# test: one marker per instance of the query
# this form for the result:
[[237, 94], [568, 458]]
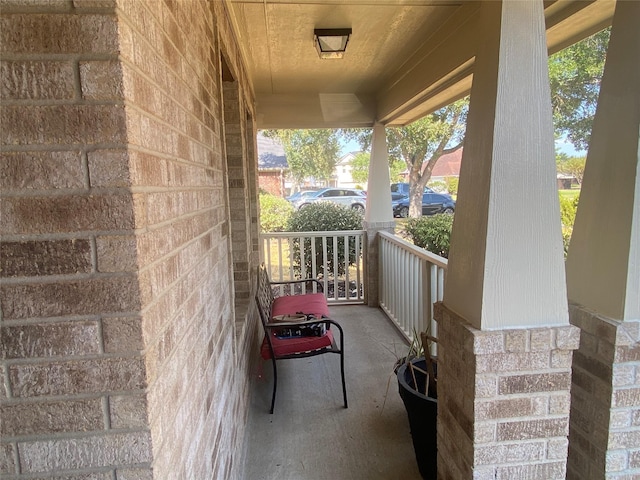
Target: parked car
[[401, 189], [432, 203], [300, 194], [349, 197]]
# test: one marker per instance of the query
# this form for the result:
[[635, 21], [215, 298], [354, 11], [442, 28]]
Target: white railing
[[341, 275], [411, 281]]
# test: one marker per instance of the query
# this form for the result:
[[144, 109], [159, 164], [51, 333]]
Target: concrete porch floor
[[311, 436]]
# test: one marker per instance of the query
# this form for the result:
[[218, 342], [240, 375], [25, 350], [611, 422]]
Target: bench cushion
[[309, 303], [287, 346]]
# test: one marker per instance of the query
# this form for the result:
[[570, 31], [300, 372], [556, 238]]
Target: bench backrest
[[264, 294]]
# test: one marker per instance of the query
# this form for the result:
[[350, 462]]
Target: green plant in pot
[[417, 385]]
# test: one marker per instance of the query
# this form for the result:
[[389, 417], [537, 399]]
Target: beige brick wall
[[73, 374], [254, 203], [503, 400], [121, 356], [197, 395], [604, 432], [234, 128]]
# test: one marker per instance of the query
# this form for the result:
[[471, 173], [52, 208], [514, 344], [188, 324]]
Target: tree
[[396, 169], [360, 168], [575, 74], [422, 143], [573, 166], [310, 153]]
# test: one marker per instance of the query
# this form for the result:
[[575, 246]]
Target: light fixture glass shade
[[331, 42]]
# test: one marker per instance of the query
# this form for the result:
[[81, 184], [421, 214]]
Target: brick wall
[[503, 400], [254, 203], [196, 366], [73, 373], [120, 351], [604, 432], [238, 187], [272, 182]]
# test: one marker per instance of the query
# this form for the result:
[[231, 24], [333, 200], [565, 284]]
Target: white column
[[506, 265], [603, 271], [506, 270], [378, 187], [378, 214], [603, 265]]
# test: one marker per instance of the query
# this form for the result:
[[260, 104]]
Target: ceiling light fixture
[[331, 42]]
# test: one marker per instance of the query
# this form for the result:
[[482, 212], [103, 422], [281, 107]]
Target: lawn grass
[[570, 194]]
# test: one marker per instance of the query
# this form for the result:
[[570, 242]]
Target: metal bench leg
[[344, 385], [275, 385]]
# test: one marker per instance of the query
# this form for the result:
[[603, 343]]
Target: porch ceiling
[[405, 58]]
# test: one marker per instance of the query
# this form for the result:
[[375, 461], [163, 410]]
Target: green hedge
[[274, 213], [320, 217], [568, 208], [433, 233]]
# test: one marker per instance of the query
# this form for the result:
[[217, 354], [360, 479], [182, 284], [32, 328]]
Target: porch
[[371, 439], [310, 435], [130, 231]]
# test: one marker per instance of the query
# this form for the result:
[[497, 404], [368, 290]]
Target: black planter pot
[[422, 411]]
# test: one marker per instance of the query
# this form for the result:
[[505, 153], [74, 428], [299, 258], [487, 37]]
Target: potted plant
[[417, 384]]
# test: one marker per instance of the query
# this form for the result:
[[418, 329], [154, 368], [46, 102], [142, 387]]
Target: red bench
[[296, 325]]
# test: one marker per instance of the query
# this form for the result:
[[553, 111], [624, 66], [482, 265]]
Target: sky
[[352, 146], [566, 147]]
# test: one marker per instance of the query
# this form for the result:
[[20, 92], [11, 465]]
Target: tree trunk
[[415, 192]]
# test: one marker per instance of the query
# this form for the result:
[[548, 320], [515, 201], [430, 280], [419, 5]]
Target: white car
[[349, 197], [300, 194]]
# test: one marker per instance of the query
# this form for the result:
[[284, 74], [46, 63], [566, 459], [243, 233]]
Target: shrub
[[568, 208], [274, 213], [321, 217], [433, 233], [438, 186], [452, 185]]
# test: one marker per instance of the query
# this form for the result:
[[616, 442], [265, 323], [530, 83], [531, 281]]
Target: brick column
[[371, 263], [239, 197], [604, 433], [503, 400], [603, 273]]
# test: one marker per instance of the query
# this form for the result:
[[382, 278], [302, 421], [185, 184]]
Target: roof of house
[[448, 165], [270, 154], [347, 158]]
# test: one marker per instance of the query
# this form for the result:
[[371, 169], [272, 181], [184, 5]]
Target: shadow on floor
[[311, 435]]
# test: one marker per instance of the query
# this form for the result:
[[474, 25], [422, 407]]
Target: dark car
[[432, 203], [401, 189]]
